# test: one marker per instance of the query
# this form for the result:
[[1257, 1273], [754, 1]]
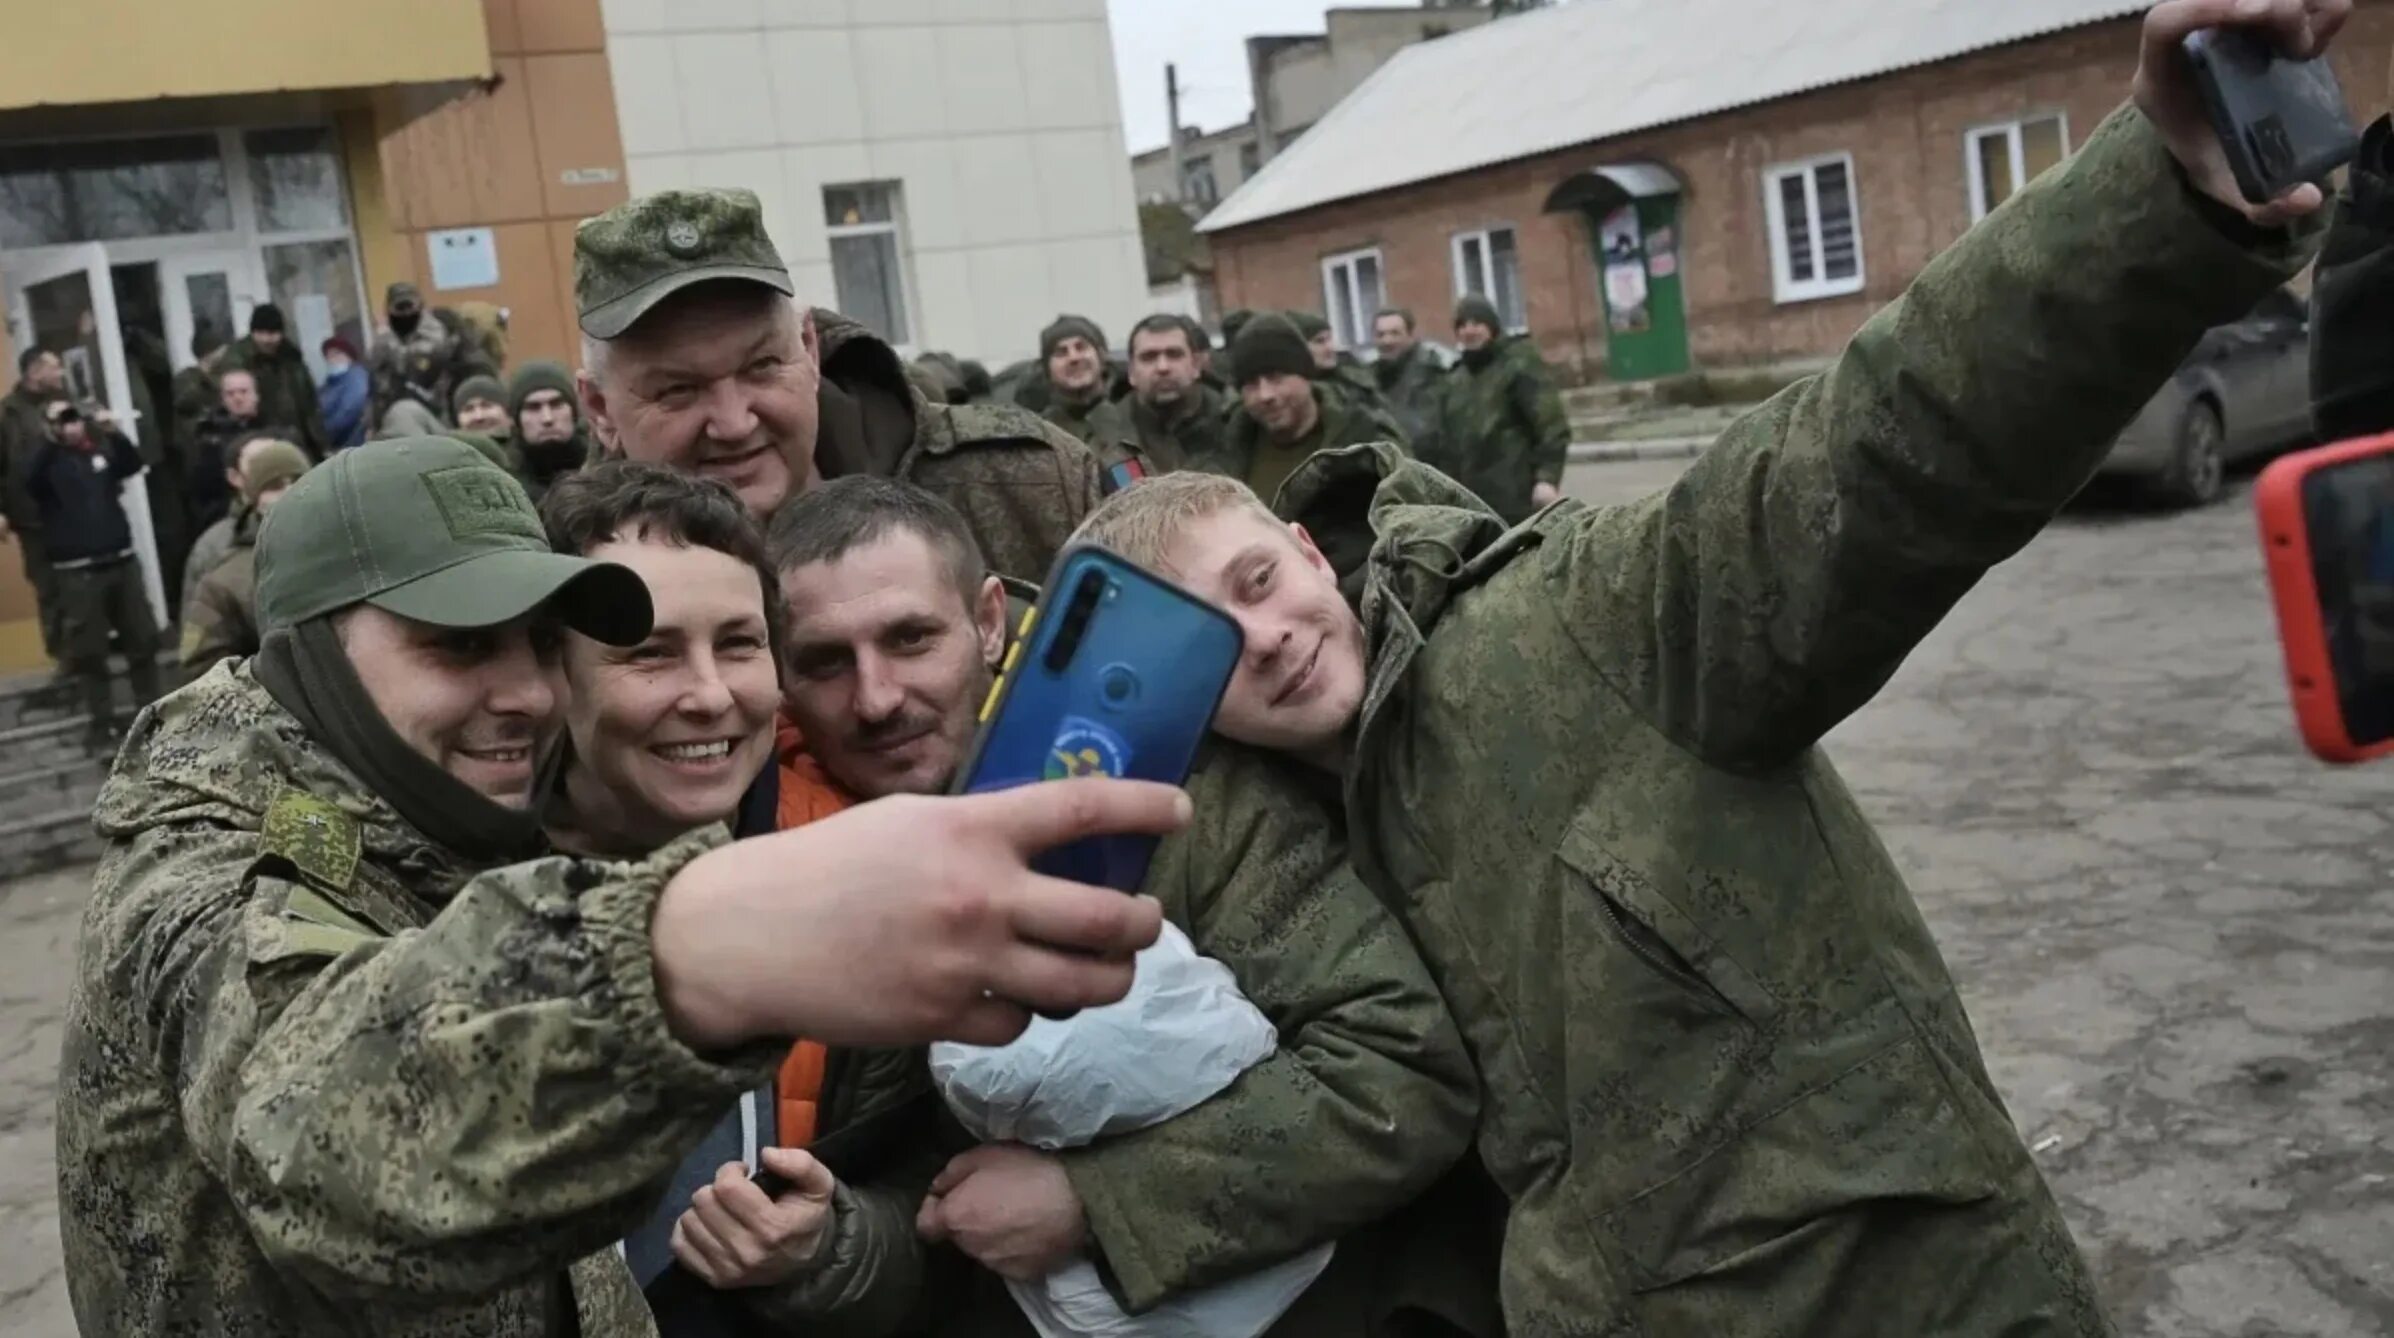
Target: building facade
[[951, 172], [1768, 231]]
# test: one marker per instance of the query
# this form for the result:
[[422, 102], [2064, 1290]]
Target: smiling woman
[[664, 737]]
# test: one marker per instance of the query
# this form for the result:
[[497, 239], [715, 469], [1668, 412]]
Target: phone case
[[2282, 122], [2278, 502], [1134, 699]]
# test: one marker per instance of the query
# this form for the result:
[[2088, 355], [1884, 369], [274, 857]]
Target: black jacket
[[75, 492], [2352, 292]]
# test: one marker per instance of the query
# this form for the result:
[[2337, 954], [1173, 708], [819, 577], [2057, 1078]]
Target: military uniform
[[1196, 432], [286, 392], [220, 613], [1022, 485], [1502, 427], [537, 466], [415, 366], [21, 431], [1249, 453], [1736, 1093], [328, 1066], [1413, 386]]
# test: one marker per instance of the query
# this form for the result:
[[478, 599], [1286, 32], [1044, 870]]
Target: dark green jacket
[[1502, 428], [1247, 451], [286, 391], [1733, 1091], [1412, 384], [21, 429], [1197, 432]]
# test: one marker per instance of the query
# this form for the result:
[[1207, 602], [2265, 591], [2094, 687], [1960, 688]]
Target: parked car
[[2243, 394]]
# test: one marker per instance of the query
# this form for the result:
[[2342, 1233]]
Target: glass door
[[62, 298], [209, 289]]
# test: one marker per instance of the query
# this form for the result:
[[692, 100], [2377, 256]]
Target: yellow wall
[[135, 50]]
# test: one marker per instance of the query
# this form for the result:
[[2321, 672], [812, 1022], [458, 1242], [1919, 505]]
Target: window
[[1487, 265], [862, 221], [106, 190], [1816, 228], [1197, 180], [296, 176], [1351, 295], [2000, 159], [1250, 159]]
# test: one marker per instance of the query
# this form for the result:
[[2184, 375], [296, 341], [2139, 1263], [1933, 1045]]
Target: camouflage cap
[[430, 529], [642, 251], [402, 294]]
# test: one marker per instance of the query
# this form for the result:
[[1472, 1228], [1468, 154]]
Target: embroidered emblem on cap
[[479, 500], [682, 236]]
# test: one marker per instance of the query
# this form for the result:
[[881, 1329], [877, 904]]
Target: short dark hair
[[827, 523], [1199, 340], [26, 359], [1162, 323], [634, 498], [1401, 313]]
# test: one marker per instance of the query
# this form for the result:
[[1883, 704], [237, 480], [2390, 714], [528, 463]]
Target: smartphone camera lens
[[1075, 622], [1118, 686]]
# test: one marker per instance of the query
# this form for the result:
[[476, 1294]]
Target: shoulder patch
[[313, 834]]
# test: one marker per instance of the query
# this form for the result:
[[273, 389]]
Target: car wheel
[[2199, 466]]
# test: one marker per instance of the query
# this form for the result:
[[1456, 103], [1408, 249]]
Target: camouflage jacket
[[1023, 485], [220, 616], [21, 429], [1413, 384], [1247, 451], [1364, 1106], [1734, 1091], [211, 547], [319, 1076], [1195, 434], [419, 366], [1501, 427], [286, 391]]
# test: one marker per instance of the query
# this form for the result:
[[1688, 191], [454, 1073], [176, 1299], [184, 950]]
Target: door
[[62, 298], [210, 287], [1637, 248]]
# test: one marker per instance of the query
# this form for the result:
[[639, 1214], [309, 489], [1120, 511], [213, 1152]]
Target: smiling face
[[1392, 335], [672, 730], [1075, 365], [486, 416], [1283, 403], [1300, 681], [719, 380], [889, 662], [479, 703]]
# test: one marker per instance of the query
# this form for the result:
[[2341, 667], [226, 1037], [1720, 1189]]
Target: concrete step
[[47, 841], [29, 699], [46, 789]]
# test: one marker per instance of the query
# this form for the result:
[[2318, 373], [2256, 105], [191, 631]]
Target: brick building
[[1754, 182]]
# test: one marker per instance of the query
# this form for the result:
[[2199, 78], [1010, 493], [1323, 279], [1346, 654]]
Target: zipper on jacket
[[1662, 958]]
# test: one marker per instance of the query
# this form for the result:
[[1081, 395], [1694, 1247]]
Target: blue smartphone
[[1114, 672]]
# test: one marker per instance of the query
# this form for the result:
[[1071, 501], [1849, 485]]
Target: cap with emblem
[[637, 254], [430, 529], [402, 297]]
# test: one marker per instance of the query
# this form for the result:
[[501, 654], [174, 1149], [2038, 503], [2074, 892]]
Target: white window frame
[[896, 228], [1362, 320], [2010, 130], [1784, 287], [1482, 236]]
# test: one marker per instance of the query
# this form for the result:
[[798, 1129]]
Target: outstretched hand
[[2165, 88]]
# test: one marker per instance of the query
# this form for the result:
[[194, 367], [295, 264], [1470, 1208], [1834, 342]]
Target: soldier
[[694, 355], [1334, 362], [480, 405], [1732, 1090], [550, 440], [411, 358], [216, 541], [329, 1055], [1175, 414], [286, 388], [1284, 413], [1409, 376], [220, 615], [1503, 431], [41, 378], [193, 389], [1073, 350]]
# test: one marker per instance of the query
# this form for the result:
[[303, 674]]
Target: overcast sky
[[1208, 40]]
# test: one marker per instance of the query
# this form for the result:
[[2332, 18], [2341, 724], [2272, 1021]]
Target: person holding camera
[[73, 477]]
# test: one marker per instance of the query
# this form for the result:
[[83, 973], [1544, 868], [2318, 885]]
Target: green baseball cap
[[429, 529], [637, 254]]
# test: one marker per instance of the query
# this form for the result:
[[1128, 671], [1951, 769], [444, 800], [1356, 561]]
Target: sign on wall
[[464, 258]]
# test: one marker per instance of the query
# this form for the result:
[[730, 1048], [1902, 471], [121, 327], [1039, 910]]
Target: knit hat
[[267, 318], [477, 388], [340, 345], [1065, 327], [1268, 345], [1308, 324], [273, 463], [1479, 309], [541, 375]]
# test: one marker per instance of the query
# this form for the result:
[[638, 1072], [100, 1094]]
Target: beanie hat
[[342, 346], [1481, 310], [1268, 345], [274, 463], [477, 388], [1065, 327], [1308, 324], [541, 375], [266, 317]]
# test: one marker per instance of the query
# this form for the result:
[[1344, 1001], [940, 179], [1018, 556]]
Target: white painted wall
[[998, 117]]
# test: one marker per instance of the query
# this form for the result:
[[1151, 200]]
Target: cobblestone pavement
[[2174, 930]]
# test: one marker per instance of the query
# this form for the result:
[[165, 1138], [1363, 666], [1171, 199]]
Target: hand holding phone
[[2281, 120]]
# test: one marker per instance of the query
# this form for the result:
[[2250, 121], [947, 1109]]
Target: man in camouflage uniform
[[1409, 377], [1175, 415], [1334, 362], [220, 613], [1503, 432], [41, 378], [343, 1052], [1073, 350], [550, 439], [1732, 1091], [286, 388], [771, 397], [1286, 410], [412, 356]]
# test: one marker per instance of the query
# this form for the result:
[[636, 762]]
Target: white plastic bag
[[1182, 1034]]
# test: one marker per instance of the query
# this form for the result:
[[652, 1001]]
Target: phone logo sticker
[[1084, 747]]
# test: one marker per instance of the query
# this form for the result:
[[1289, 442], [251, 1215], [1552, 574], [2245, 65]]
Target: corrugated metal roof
[[1595, 69]]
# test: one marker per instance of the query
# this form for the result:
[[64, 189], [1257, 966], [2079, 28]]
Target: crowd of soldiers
[[539, 933]]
